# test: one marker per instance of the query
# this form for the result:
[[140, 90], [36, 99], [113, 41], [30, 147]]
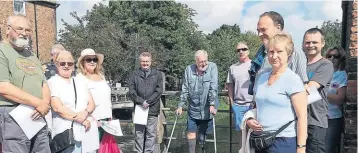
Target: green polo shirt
[[22, 69]]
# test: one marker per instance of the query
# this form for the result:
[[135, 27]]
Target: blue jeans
[[239, 112], [333, 136], [282, 145]]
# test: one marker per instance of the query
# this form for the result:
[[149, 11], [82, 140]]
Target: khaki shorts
[[14, 140]]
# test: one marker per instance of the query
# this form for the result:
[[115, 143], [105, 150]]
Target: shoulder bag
[[65, 139], [264, 139]]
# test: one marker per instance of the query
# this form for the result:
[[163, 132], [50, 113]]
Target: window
[[19, 7]]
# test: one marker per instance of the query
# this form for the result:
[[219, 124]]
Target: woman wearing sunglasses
[[71, 102], [336, 96], [90, 70]]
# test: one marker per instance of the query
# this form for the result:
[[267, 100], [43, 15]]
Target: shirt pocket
[[206, 82]]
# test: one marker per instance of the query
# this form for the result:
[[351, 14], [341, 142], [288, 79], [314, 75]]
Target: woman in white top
[[90, 69], [70, 100]]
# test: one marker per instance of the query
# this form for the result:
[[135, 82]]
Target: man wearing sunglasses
[[21, 82], [238, 81], [51, 69]]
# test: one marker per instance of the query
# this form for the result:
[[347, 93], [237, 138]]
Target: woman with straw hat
[[90, 70]]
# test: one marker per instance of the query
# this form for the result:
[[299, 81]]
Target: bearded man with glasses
[[21, 82]]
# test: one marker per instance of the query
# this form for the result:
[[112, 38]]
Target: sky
[[299, 16]]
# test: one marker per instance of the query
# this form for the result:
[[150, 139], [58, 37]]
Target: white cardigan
[[245, 132]]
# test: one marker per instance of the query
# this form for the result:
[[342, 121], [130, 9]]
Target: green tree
[[223, 43], [124, 28], [333, 33]]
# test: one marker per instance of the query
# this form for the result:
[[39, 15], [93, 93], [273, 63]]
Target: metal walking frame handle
[[214, 134], [171, 135]]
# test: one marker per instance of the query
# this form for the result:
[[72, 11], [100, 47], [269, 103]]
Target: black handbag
[[65, 139], [264, 139]]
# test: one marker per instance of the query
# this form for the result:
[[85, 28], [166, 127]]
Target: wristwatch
[[301, 146]]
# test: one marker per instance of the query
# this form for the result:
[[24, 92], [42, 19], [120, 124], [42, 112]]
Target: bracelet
[[301, 146]]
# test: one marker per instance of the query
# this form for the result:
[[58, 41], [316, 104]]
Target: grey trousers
[[14, 140], [145, 135]]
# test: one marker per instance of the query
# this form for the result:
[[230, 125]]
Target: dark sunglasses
[[336, 56], [89, 60], [241, 49], [68, 63]]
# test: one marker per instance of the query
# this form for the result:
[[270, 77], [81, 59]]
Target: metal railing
[[168, 123]]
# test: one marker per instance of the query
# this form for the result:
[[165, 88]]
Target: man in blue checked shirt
[[200, 89]]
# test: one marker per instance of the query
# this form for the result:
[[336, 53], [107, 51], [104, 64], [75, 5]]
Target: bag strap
[[284, 127], [74, 87]]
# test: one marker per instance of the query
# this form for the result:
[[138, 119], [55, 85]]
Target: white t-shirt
[[101, 94], [64, 90]]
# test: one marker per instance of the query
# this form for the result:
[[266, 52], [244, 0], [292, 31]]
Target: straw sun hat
[[90, 52]]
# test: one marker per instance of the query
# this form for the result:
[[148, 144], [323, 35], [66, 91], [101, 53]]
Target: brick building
[[349, 43], [42, 15]]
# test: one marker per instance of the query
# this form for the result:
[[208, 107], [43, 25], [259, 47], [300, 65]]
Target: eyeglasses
[[241, 49], [19, 30], [89, 60], [64, 63], [336, 56]]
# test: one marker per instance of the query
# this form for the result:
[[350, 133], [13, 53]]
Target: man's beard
[[21, 42]]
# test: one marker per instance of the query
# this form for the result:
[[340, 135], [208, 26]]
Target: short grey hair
[[242, 42], [57, 47], [10, 19], [201, 53], [145, 54]]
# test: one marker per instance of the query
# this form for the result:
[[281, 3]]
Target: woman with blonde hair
[[90, 70], [71, 103], [279, 104]]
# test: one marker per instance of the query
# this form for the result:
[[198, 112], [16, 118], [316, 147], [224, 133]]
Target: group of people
[[267, 94], [273, 96], [63, 99]]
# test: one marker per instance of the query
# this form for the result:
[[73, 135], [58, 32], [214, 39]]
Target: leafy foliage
[[166, 28], [332, 31]]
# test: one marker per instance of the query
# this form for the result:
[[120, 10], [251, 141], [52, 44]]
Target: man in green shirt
[[21, 82]]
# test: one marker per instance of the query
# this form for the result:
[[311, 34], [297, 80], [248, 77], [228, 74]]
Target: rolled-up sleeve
[[4, 68], [184, 89], [213, 88], [299, 64]]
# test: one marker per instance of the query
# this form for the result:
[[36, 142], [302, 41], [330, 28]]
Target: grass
[[222, 134], [180, 144]]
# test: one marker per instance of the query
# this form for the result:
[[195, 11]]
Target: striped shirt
[[297, 63]]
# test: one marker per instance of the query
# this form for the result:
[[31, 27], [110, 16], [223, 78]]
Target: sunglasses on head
[[89, 60], [64, 63], [336, 56], [241, 49]]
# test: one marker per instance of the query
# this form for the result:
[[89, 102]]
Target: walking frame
[[203, 144], [171, 135]]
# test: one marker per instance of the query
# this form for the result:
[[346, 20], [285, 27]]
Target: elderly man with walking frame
[[200, 88]]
